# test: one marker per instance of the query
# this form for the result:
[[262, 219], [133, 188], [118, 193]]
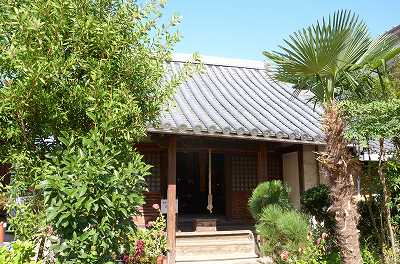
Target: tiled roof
[[395, 30], [238, 98]]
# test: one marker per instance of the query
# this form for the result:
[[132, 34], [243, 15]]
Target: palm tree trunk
[[341, 168]]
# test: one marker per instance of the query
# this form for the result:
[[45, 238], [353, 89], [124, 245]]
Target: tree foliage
[[79, 82], [74, 65], [372, 120], [333, 58]]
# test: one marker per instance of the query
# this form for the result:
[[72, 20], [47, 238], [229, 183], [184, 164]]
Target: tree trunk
[[341, 168], [369, 201], [386, 196]]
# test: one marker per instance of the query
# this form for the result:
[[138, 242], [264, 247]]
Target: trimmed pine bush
[[282, 230], [269, 193]]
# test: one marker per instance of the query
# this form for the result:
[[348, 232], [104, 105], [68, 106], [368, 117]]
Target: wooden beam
[[171, 196], [262, 162]]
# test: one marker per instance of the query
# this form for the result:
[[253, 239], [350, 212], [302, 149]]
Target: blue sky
[[243, 29]]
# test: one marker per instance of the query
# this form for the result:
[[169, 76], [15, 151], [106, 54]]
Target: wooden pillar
[[262, 162], [171, 196], [301, 168]]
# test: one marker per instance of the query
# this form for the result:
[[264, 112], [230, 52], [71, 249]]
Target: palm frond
[[379, 51], [331, 51]]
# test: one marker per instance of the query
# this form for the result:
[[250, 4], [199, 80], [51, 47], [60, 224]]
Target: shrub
[[316, 201], [25, 221], [18, 252], [145, 245], [25, 198], [269, 193], [365, 223], [281, 230], [393, 175], [369, 256], [91, 191], [313, 253]]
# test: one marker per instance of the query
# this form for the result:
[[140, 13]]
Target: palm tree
[[330, 59]]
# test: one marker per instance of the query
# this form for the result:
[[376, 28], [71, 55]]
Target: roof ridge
[[222, 61]]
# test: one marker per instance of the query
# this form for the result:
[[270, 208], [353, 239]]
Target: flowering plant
[[147, 243], [313, 252]]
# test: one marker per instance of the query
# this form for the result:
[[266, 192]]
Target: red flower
[[126, 259], [139, 249], [284, 255], [156, 207]]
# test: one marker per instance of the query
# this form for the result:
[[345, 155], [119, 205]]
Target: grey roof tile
[[240, 98]]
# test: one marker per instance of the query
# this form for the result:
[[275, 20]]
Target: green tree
[[374, 117], [79, 81], [328, 58]]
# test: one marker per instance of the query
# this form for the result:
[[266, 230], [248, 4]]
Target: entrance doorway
[[192, 183]]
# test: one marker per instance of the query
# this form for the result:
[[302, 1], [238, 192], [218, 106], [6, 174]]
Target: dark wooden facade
[[245, 164]]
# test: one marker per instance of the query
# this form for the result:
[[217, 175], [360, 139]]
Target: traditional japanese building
[[230, 127]]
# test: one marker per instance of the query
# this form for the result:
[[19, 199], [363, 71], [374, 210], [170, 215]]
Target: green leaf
[[107, 201], [52, 213]]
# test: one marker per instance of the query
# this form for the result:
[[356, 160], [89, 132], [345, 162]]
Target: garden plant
[[286, 234], [331, 59], [79, 82]]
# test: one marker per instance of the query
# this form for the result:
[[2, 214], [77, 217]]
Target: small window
[[244, 173], [153, 180]]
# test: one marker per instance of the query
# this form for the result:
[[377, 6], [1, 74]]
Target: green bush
[[365, 224], [393, 175], [369, 256], [18, 252], [313, 253], [25, 198], [316, 201], [281, 230], [91, 191], [269, 193], [145, 245]]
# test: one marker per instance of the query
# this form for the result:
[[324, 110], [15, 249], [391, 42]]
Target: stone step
[[219, 259], [207, 248], [237, 235], [228, 261]]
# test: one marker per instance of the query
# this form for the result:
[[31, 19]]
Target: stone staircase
[[219, 247]]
